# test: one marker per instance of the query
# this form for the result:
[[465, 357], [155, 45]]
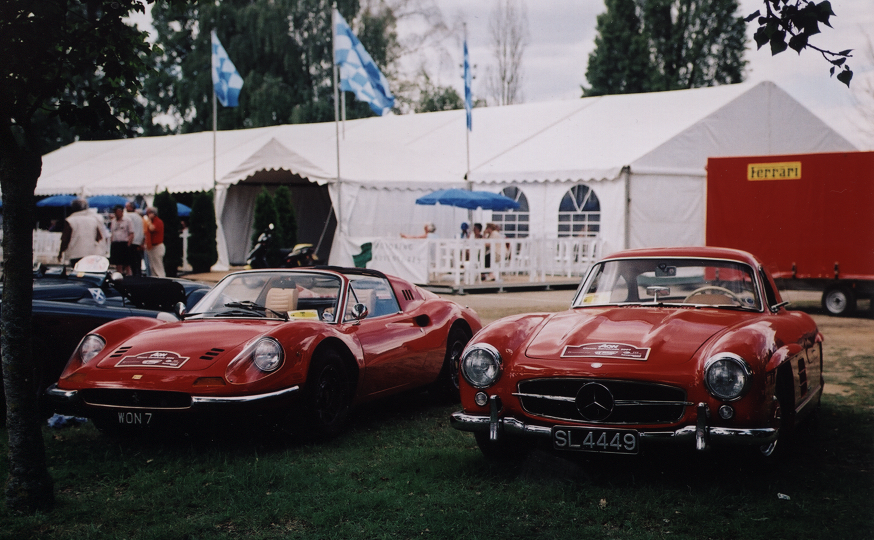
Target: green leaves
[[656, 45], [798, 20]]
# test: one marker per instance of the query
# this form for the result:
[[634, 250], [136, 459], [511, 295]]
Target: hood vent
[[119, 352], [211, 354]]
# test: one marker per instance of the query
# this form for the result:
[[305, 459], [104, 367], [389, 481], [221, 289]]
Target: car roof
[[689, 251]]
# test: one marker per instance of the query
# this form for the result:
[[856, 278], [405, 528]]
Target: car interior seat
[[281, 300]]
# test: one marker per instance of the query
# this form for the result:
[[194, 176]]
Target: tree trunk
[[29, 486]]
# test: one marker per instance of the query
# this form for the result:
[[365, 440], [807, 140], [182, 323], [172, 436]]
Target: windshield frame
[[594, 270], [206, 309]]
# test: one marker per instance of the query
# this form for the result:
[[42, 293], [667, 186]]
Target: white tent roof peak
[[595, 142], [275, 156]]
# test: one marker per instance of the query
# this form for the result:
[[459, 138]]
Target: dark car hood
[[190, 345], [663, 336]]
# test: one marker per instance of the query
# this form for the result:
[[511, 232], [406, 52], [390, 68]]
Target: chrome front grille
[[602, 401]]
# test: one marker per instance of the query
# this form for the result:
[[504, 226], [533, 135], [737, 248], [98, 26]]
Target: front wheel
[[447, 381], [327, 395]]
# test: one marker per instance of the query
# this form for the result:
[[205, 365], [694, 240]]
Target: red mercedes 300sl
[[275, 343], [692, 346]]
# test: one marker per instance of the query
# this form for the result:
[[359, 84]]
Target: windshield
[[700, 282], [302, 295]]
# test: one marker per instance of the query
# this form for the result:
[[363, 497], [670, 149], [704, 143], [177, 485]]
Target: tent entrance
[[312, 206]]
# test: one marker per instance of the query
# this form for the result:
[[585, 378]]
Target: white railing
[[472, 261]]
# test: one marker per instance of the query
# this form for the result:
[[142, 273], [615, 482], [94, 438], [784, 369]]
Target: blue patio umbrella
[[471, 200], [56, 201], [182, 210], [106, 202]]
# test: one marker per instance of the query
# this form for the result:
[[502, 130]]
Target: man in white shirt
[[137, 247], [83, 234]]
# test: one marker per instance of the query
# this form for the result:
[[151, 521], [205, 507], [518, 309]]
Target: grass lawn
[[409, 475]]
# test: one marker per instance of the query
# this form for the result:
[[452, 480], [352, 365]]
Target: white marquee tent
[[643, 155]]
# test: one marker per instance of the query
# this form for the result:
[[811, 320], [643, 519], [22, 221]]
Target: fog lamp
[[726, 412], [481, 399]]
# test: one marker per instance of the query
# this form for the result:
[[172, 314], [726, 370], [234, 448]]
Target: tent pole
[[626, 172]]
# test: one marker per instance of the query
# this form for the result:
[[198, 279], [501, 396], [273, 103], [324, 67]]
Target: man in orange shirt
[[156, 249]]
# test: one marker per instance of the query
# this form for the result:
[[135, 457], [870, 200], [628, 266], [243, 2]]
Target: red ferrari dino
[[295, 344]]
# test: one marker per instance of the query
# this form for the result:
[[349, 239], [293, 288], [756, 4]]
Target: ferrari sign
[[789, 170]]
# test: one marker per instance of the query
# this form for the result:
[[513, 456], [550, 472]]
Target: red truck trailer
[[808, 217]]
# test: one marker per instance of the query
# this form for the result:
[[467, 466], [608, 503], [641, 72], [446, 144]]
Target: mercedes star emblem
[[595, 402]]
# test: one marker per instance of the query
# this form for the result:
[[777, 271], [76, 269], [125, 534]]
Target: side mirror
[[359, 311], [179, 310]]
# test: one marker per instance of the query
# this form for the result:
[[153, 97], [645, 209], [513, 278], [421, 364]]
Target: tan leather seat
[[281, 300]]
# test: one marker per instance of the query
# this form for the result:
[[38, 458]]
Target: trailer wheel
[[839, 300]]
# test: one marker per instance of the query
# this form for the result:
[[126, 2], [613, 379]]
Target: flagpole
[[214, 130], [466, 130], [337, 121]]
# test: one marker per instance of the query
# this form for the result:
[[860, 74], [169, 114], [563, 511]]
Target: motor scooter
[[299, 256], [257, 256]]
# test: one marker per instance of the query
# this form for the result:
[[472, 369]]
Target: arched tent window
[[579, 213], [513, 223]]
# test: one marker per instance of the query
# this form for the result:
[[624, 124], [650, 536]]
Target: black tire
[[839, 301], [327, 396], [447, 381], [506, 448]]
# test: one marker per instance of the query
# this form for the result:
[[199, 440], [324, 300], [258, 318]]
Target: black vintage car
[[67, 304]]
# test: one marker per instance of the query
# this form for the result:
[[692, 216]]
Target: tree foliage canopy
[[281, 48], [656, 45]]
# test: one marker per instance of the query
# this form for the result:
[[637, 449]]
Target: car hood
[[186, 345], [657, 335]]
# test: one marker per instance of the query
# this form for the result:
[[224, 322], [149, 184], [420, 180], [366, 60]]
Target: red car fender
[[507, 335], [113, 333]]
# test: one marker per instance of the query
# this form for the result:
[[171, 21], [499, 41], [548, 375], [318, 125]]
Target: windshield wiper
[[252, 306]]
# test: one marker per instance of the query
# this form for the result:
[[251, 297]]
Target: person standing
[[136, 247], [157, 249], [83, 234], [121, 234]]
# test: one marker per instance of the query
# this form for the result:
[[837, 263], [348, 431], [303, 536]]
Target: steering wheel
[[721, 290]]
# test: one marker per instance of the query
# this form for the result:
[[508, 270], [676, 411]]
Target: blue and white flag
[[468, 78], [358, 72], [226, 81]]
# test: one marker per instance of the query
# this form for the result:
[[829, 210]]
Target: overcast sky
[[562, 34]]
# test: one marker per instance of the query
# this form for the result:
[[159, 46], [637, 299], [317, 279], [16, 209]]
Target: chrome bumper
[[197, 402], [701, 434]]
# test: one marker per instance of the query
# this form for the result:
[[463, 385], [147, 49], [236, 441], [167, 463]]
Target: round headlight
[[481, 365], [267, 355], [727, 377], [90, 347]]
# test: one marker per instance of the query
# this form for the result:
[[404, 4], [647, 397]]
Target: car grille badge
[[595, 402]]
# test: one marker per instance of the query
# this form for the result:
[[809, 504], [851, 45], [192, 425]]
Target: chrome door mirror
[[359, 311]]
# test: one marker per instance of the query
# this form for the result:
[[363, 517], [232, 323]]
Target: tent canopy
[[624, 147]]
